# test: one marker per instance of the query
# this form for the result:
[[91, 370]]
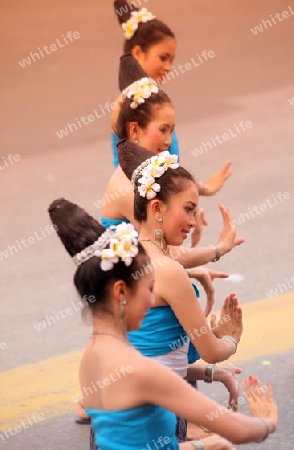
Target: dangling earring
[[158, 233], [122, 314]]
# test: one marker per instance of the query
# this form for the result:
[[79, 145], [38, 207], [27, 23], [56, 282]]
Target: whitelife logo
[[270, 22], [71, 36]]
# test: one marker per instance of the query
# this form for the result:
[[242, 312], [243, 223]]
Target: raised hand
[[230, 320], [200, 223], [206, 277], [261, 401], [216, 181], [227, 240]]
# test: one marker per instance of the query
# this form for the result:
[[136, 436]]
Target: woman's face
[[158, 59], [179, 214], [157, 136], [140, 300]]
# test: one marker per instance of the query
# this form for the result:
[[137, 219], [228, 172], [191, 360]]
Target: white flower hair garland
[[140, 90], [123, 245], [153, 168], [131, 25]]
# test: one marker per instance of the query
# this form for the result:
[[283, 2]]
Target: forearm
[[242, 428], [191, 257], [196, 372]]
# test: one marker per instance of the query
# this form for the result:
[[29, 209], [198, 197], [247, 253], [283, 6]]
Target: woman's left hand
[[216, 181]]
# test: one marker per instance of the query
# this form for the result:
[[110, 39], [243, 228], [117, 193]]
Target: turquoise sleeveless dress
[[151, 340], [173, 149], [161, 333], [107, 223], [145, 427]]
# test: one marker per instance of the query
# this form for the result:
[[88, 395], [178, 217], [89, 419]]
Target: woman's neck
[[106, 324]]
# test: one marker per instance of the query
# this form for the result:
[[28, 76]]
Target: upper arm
[[176, 289]]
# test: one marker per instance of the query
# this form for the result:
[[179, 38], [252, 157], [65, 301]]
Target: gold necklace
[[110, 334], [165, 252]]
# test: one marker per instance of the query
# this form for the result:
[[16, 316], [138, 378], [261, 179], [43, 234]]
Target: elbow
[[211, 357]]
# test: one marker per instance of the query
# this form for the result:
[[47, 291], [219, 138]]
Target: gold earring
[[122, 314], [158, 233]]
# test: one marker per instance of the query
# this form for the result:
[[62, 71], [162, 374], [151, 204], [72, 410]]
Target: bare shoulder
[[119, 196], [170, 269]]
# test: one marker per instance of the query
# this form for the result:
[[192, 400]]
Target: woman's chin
[[176, 242]]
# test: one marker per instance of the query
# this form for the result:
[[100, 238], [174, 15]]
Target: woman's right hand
[[227, 240], [230, 321], [198, 229], [261, 401]]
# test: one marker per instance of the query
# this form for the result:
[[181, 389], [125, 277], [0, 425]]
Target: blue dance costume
[[173, 149], [145, 427], [160, 334], [151, 340], [107, 223]]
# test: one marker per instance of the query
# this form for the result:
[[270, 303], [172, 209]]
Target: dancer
[[153, 45], [165, 210], [136, 400], [150, 125]]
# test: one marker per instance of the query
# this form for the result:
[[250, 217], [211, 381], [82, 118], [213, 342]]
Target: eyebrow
[[192, 203]]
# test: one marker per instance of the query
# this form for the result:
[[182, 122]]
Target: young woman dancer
[[136, 400], [171, 202], [151, 125], [152, 43]]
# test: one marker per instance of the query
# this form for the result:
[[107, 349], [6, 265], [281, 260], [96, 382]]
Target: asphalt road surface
[[248, 81]]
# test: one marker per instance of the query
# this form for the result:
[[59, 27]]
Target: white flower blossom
[[130, 27], [158, 165]]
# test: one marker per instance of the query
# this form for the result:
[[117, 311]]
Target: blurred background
[[249, 79]]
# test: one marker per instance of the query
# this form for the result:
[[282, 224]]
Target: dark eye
[[188, 209], [163, 130], [163, 58]]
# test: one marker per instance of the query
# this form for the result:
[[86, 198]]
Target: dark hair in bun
[[129, 72], [147, 34], [173, 181], [77, 230]]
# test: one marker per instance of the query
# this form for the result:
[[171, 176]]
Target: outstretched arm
[[191, 257], [158, 386]]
